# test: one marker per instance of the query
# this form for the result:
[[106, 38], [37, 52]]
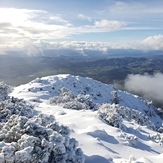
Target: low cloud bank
[[150, 87], [37, 46], [151, 43]]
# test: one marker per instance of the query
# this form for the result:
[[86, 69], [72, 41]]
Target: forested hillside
[[19, 70]]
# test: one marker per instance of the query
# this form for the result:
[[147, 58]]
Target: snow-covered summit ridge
[[106, 132], [42, 89]]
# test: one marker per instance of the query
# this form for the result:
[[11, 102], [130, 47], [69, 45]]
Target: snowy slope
[[99, 141]]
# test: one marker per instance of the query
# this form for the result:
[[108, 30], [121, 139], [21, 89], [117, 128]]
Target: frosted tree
[[115, 98], [109, 114], [4, 91]]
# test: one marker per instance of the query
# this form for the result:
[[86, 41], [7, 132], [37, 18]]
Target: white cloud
[[133, 9], [139, 15], [35, 24], [37, 47], [20, 24], [26, 43], [25, 16], [152, 43], [75, 45], [38, 24], [126, 8], [84, 17], [28, 46], [109, 24], [149, 86]]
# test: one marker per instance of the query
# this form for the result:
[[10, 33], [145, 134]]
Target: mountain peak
[[92, 91], [110, 125]]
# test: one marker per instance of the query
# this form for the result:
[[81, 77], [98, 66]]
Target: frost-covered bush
[[160, 130], [29, 137], [74, 104], [132, 114], [115, 97], [158, 138], [14, 106], [113, 115], [129, 138], [68, 100], [36, 100], [4, 91], [109, 114], [64, 97], [85, 99]]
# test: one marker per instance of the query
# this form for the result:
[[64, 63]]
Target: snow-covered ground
[[100, 142]]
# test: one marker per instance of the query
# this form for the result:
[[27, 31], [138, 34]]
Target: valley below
[[18, 70]]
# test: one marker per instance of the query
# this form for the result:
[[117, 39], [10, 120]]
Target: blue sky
[[118, 23]]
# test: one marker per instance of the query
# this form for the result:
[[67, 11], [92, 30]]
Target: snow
[[99, 141]]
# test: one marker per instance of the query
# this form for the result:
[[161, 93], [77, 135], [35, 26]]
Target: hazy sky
[[116, 23]]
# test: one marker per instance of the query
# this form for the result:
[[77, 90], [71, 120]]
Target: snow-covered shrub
[[85, 99], [109, 114], [113, 115], [129, 138], [131, 159], [160, 130], [29, 137], [132, 114], [115, 97], [160, 112], [14, 106], [4, 91], [68, 100], [158, 138], [36, 100], [74, 104]]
